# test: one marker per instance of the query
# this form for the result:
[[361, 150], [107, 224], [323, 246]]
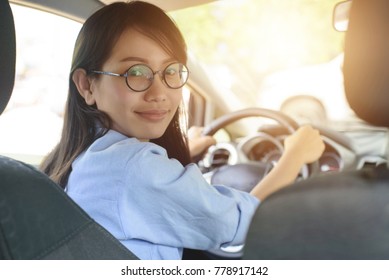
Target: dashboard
[[265, 150]]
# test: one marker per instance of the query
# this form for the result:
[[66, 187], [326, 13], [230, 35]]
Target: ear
[[82, 82]]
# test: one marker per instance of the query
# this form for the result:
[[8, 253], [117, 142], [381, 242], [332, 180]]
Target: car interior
[[324, 215]]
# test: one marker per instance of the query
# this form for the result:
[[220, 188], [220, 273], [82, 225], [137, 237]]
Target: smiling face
[[143, 115]]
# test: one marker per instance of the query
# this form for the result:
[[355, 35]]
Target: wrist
[[292, 158]]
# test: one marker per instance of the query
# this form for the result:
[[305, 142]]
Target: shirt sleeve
[[177, 206]]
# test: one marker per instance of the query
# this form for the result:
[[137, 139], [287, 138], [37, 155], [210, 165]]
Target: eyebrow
[[133, 58], [143, 60]]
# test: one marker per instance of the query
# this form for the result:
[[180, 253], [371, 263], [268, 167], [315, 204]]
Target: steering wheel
[[242, 173]]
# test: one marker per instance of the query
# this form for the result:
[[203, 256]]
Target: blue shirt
[[153, 204]]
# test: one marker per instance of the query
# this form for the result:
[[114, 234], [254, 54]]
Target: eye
[[135, 72], [140, 71], [171, 71]]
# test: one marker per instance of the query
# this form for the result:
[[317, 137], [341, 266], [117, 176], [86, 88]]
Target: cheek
[[111, 94], [177, 98]]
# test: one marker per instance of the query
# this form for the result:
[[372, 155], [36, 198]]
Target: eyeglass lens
[[140, 76]]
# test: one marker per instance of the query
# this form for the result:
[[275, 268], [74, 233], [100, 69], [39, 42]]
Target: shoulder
[[115, 149], [114, 141]]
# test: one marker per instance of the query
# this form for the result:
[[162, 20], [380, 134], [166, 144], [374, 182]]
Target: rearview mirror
[[340, 15]]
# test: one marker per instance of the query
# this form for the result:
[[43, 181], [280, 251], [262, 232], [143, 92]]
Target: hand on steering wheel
[[198, 143], [244, 175]]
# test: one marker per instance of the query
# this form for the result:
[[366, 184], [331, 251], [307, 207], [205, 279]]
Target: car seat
[[341, 215], [37, 219]]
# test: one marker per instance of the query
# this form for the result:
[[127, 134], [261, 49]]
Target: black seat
[[335, 217], [342, 215], [37, 219]]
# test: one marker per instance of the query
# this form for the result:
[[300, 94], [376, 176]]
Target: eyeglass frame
[[161, 73]]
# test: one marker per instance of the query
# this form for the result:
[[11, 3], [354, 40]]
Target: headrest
[[7, 53], [366, 61]]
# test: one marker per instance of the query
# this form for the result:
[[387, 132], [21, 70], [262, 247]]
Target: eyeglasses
[[140, 77]]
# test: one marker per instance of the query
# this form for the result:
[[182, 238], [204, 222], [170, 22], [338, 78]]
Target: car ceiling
[[81, 9]]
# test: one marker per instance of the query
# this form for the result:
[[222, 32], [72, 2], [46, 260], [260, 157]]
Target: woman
[[123, 156]]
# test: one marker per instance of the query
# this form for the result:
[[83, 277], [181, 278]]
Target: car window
[[32, 122]]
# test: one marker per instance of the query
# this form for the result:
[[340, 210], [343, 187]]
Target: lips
[[153, 115]]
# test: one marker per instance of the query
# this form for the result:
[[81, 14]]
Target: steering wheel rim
[[227, 119], [287, 122]]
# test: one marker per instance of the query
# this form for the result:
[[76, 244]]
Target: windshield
[[262, 52]]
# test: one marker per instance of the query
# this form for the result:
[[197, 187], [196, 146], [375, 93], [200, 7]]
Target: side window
[[194, 106], [32, 122]]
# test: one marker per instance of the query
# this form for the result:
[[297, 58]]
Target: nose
[[157, 91]]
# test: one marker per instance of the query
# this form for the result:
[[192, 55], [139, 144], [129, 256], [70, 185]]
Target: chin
[[152, 135], [155, 136]]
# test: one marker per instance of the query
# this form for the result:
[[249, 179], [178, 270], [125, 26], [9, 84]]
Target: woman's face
[[143, 115]]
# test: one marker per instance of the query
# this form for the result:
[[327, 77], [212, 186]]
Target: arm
[[304, 146]]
